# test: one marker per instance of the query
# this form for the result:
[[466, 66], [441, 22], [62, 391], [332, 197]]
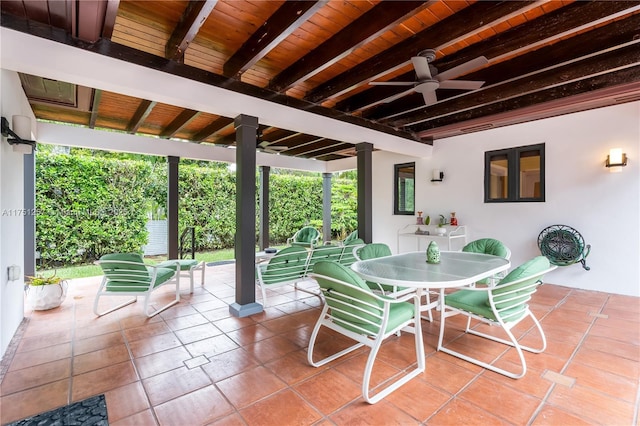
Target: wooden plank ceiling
[[543, 58]]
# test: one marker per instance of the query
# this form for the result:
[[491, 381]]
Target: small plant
[[42, 280]]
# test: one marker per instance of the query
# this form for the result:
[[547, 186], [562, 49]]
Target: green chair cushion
[[398, 313], [352, 236], [125, 257], [374, 250], [306, 234], [487, 246], [185, 264]]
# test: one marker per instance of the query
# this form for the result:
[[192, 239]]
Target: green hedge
[[91, 205]]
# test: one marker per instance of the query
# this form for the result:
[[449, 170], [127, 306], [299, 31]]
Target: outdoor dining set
[[370, 294]]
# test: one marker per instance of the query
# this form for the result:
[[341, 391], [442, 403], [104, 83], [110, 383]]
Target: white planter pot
[[43, 297], [441, 231]]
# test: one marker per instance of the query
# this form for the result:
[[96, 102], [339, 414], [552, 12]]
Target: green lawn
[[83, 271]]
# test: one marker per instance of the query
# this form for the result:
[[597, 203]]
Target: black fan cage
[[563, 246]]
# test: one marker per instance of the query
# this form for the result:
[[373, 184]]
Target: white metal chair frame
[[137, 278], [508, 300], [365, 337]]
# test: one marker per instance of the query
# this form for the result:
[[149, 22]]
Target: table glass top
[[412, 270]]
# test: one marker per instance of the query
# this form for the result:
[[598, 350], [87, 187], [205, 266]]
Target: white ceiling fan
[[428, 79]]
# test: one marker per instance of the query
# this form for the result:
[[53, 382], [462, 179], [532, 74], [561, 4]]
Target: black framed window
[[404, 183], [514, 174]]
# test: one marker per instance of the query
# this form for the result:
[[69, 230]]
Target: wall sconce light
[[616, 160], [19, 137], [437, 176]]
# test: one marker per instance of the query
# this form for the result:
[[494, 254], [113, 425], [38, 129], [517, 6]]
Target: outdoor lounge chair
[[288, 266], [353, 310], [504, 305], [306, 237], [126, 274]]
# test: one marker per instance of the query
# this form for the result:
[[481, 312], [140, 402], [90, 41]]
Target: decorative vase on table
[[433, 253], [454, 220]]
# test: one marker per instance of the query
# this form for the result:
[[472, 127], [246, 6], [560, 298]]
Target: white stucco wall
[[580, 192], [13, 102]]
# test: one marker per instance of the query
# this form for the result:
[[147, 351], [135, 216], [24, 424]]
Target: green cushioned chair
[[351, 237], [288, 266], [306, 237], [186, 265], [489, 246], [126, 274], [348, 257], [504, 305], [353, 310], [374, 251]]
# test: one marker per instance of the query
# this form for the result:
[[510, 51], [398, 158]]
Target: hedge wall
[[87, 206]]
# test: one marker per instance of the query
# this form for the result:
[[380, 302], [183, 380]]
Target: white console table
[[454, 238]]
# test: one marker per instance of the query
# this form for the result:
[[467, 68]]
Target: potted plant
[[441, 230], [46, 292]]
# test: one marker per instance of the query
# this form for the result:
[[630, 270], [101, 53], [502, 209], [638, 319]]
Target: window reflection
[[404, 189]]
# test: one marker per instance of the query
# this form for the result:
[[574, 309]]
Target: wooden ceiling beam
[[191, 20], [465, 22], [369, 26], [279, 26], [211, 128], [141, 114], [327, 150], [531, 65], [547, 95], [180, 121]]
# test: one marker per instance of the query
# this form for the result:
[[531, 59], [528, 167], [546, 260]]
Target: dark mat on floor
[[221, 262], [90, 412]]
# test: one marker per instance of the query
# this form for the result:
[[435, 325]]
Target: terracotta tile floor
[[194, 364]]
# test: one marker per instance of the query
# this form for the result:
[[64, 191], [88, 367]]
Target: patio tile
[[283, 408], [100, 381], [294, 367], [198, 332], [419, 399], [172, 384], [446, 375], [41, 356], [608, 362], [501, 400], [145, 418], [100, 359], [272, 348], [552, 416], [362, 413], [144, 331], [160, 362], [30, 377], [126, 401], [329, 391], [95, 343], [461, 412], [250, 386], [620, 387], [591, 405], [186, 321], [212, 346], [154, 344], [229, 364], [196, 408], [33, 401], [43, 341]]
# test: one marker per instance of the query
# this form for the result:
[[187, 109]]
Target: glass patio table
[[456, 269]]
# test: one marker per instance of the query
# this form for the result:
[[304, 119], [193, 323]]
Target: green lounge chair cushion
[[185, 264], [131, 277], [487, 246]]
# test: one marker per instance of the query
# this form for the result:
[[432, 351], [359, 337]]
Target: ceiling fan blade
[[462, 69], [391, 83], [461, 84], [421, 65], [429, 98], [397, 96]]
